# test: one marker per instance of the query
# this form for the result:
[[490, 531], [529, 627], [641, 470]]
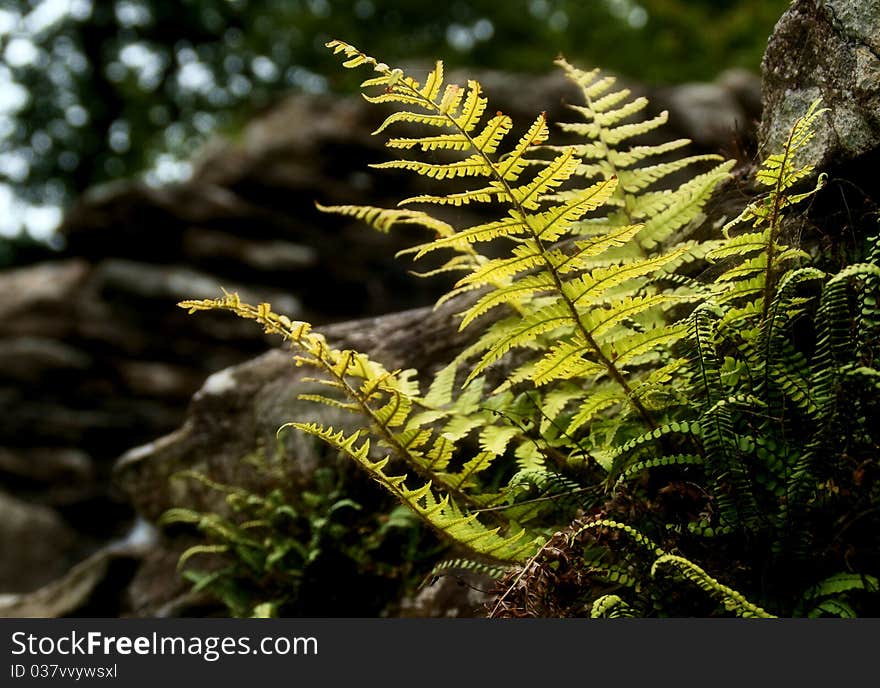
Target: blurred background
[[93, 91], [153, 150]]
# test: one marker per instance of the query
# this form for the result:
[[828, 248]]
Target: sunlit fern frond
[[550, 275], [611, 126], [755, 258], [440, 512], [399, 420]]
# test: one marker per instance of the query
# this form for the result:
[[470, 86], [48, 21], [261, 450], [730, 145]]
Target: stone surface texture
[[827, 49]]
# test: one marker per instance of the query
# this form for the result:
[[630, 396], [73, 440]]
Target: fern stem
[[525, 567], [778, 197], [612, 369]]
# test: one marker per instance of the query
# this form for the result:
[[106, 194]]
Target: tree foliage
[[97, 91]]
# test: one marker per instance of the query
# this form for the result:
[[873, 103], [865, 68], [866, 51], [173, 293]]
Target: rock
[[30, 360], [158, 379], [166, 285], [745, 86], [222, 429], [713, 114], [157, 590], [38, 299], [209, 245], [49, 475], [61, 597], [31, 287], [828, 49], [89, 587], [37, 545], [72, 420], [448, 597], [94, 358]]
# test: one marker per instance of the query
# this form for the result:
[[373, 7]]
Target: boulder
[[714, 114], [49, 475], [37, 545], [94, 586], [827, 49]]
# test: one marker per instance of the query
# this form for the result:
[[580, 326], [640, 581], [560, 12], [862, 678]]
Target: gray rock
[[30, 360], [94, 424], [69, 594], [38, 300], [265, 255], [54, 476], [828, 49], [223, 428], [709, 113], [158, 379], [170, 284], [448, 597], [37, 546], [60, 597], [745, 86]]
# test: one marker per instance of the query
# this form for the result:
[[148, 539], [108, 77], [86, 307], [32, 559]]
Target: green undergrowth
[[336, 548]]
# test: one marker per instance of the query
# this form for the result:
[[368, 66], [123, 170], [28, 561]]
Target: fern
[[554, 285], [387, 399], [459, 566], [264, 555], [563, 282], [618, 364], [611, 607], [756, 257], [731, 599], [607, 125], [771, 410], [770, 362], [829, 598]]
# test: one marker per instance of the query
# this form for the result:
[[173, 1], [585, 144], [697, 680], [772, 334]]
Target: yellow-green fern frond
[[383, 219], [600, 398], [752, 278], [388, 401], [441, 513], [470, 167], [778, 170], [609, 129], [516, 292], [564, 361]]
